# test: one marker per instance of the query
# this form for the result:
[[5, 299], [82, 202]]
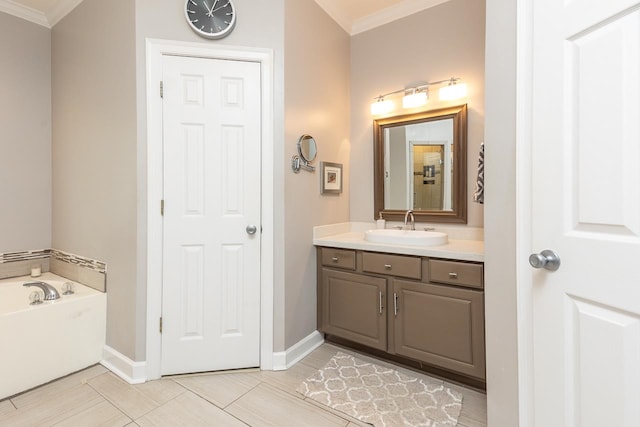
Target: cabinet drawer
[[395, 265], [339, 258], [456, 273]]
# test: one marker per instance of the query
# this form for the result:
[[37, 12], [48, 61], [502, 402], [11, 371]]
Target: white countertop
[[351, 236]]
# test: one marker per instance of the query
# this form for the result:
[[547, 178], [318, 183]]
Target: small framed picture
[[331, 178]]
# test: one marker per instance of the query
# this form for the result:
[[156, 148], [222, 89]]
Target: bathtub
[[39, 343]]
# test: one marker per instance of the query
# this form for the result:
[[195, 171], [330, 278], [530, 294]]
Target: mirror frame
[[459, 213]]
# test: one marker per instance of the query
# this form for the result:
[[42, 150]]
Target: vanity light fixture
[[417, 96], [452, 91], [381, 106]]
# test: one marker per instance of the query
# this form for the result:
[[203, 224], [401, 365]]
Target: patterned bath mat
[[382, 396]]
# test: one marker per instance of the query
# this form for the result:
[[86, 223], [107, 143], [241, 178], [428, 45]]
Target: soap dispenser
[[380, 223]]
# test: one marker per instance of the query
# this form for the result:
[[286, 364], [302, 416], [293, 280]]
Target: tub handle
[[35, 297]]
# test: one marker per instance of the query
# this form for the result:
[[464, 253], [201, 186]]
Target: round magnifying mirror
[[307, 148]]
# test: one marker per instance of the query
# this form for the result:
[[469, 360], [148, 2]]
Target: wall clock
[[212, 19]]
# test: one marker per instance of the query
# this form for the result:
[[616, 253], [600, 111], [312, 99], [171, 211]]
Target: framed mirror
[[420, 163]]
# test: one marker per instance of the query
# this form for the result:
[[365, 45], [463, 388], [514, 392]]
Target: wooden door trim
[[155, 50]]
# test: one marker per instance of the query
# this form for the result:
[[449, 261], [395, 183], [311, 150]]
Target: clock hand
[[221, 7], [209, 9]]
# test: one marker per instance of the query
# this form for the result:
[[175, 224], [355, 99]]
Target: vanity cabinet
[[424, 309], [353, 307]]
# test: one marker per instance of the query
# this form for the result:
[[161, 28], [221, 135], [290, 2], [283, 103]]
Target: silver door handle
[[547, 259], [251, 229]]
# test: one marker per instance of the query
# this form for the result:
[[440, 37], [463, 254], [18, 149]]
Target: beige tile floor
[[96, 397]]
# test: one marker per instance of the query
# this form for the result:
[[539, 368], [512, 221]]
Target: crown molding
[[336, 14], [60, 9], [390, 14], [24, 12]]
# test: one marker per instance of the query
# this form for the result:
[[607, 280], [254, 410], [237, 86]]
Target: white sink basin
[[407, 237]]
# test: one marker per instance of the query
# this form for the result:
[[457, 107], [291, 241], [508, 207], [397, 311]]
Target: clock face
[[213, 19]]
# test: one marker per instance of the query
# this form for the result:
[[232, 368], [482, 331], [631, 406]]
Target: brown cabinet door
[[353, 307], [440, 325]]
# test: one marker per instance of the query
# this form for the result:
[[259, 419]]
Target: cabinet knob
[[453, 275], [335, 259], [387, 266]]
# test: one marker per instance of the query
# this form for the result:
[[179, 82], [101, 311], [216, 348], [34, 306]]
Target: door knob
[[547, 259], [251, 229]]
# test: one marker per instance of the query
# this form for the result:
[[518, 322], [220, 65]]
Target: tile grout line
[[336, 413], [114, 403], [187, 389], [91, 407], [183, 388], [160, 405], [239, 397], [117, 408]]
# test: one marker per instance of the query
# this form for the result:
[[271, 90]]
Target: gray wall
[[94, 151], [398, 164], [316, 103], [501, 291], [25, 143], [443, 41]]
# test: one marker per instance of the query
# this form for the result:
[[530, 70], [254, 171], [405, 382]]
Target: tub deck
[[47, 341]]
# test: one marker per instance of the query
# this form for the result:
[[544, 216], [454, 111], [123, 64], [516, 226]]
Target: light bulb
[[415, 99], [381, 107], [452, 91]]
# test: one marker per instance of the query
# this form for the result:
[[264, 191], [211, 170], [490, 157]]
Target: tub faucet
[[413, 220], [50, 293]]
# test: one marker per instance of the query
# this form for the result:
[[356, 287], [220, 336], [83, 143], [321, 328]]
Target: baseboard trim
[[130, 371], [283, 360]]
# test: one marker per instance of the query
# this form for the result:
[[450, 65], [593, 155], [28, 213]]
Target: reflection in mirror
[[307, 148], [420, 164]]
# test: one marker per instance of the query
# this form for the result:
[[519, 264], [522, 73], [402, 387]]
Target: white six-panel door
[[586, 207], [211, 263]]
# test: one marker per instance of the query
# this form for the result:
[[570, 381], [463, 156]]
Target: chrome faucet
[[413, 220], [50, 293]]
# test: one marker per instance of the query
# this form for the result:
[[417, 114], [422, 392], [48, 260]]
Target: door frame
[[524, 221], [155, 50], [508, 166], [445, 170]]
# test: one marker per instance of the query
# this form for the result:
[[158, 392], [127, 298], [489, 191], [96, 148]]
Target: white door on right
[[586, 208]]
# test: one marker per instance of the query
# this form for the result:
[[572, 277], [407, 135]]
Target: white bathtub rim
[[16, 283]]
